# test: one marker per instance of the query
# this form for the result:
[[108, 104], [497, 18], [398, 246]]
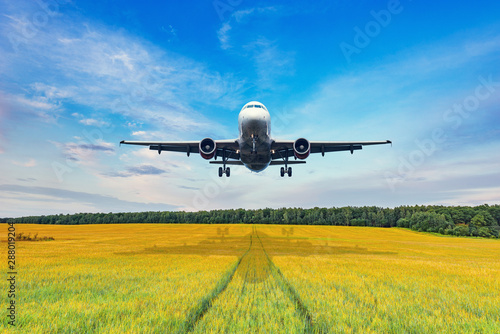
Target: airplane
[[255, 148]]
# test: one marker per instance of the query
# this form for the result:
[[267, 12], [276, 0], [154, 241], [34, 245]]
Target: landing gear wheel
[[282, 172], [289, 171], [228, 171], [220, 171]]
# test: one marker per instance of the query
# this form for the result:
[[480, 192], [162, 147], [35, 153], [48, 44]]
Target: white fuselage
[[255, 141]]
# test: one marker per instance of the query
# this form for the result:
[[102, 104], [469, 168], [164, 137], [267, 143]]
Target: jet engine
[[207, 148], [301, 148]]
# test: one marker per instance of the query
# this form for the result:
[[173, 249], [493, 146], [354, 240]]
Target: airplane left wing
[[230, 146], [284, 148]]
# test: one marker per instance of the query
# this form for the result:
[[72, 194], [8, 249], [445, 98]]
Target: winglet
[[389, 142], [123, 141]]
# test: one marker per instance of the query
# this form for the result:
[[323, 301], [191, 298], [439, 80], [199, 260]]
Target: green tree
[[461, 230], [478, 220], [484, 232], [403, 222]]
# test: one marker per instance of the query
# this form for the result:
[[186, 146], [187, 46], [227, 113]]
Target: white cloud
[[93, 122], [472, 196], [103, 69], [125, 59], [223, 35], [35, 103], [241, 15], [270, 62], [85, 152], [20, 106], [139, 170], [52, 92], [153, 135], [29, 163], [139, 133]]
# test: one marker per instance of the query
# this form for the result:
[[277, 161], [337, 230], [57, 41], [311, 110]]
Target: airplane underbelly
[[257, 160], [256, 163], [255, 144]]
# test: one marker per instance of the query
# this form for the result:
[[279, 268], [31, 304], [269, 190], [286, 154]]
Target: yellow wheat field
[[147, 278]]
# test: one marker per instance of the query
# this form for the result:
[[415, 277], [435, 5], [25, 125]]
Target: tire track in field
[[197, 313], [256, 271], [290, 291]]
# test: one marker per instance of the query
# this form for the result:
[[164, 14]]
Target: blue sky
[[76, 77]]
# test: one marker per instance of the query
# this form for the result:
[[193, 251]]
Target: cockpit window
[[255, 106]]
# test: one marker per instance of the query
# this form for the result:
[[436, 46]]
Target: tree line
[[482, 221]]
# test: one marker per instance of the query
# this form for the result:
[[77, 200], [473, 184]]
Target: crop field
[[155, 278]]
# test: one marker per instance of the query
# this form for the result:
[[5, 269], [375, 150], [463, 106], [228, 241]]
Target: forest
[[479, 221]]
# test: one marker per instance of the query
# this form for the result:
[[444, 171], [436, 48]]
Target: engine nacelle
[[207, 148], [301, 148]]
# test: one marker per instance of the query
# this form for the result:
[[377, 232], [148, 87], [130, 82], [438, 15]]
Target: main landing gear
[[224, 170], [285, 170]]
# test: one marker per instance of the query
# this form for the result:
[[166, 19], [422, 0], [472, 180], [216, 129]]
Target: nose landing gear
[[254, 143]]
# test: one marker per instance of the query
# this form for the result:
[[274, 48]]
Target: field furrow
[[204, 305], [258, 300]]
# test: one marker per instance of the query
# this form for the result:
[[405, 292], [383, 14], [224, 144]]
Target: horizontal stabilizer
[[293, 162], [237, 162]]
